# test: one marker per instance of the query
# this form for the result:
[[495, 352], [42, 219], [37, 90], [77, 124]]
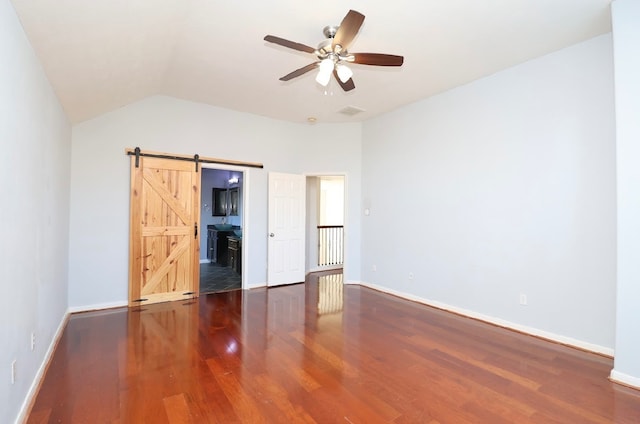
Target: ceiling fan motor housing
[[324, 48], [330, 31]]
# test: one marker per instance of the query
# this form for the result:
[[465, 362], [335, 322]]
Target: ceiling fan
[[332, 53]]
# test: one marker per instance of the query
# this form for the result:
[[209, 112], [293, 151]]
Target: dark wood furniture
[[234, 196], [219, 201], [217, 246], [235, 253], [224, 202]]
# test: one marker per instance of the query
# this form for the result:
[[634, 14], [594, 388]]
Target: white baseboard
[[204, 261], [97, 306], [624, 379], [35, 384], [602, 350]]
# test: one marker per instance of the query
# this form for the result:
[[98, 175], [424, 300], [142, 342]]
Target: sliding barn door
[[164, 243]]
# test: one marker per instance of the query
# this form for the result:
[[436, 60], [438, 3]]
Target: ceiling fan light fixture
[[323, 79], [344, 72], [324, 75]]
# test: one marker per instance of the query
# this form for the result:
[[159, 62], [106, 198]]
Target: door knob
[[271, 235]]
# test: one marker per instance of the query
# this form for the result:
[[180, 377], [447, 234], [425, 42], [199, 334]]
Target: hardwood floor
[[314, 353]]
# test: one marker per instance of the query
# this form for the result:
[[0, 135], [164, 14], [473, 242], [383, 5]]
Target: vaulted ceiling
[[103, 54]]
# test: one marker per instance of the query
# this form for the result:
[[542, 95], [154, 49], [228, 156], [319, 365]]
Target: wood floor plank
[[244, 405], [296, 372], [177, 409], [290, 412], [275, 356], [40, 417]]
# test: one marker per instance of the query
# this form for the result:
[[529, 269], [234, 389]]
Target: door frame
[[244, 255]]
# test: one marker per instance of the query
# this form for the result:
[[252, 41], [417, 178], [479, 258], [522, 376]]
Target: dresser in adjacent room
[[235, 253]]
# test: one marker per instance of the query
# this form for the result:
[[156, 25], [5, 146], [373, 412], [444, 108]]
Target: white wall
[[34, 213], [626, 39], [100, 180], [502, 187]]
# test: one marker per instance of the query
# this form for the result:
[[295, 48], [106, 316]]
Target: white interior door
[[286, 247]]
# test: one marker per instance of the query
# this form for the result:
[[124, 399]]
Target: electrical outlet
[[374, 268], [523, 299], [411, 276], [33, 341], [13, 372]]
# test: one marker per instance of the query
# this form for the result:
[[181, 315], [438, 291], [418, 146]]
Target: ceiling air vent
[[350, 110]]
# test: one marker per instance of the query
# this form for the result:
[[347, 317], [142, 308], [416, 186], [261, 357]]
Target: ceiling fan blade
[[289, 44], [348, 29], [378, 59], [346, 86], [300, 71]]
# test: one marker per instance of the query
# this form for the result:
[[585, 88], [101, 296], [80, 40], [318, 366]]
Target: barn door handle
[[195, 230]]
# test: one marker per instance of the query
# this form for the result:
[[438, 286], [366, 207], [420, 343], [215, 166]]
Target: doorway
[[221, 217], [325, 222], [305, 226]]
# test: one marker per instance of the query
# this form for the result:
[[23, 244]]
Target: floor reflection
[[330, 294]]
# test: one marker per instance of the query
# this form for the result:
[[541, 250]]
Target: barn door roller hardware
[[195, 158]]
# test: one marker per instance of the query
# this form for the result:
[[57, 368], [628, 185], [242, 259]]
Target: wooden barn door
[[164, 241]]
